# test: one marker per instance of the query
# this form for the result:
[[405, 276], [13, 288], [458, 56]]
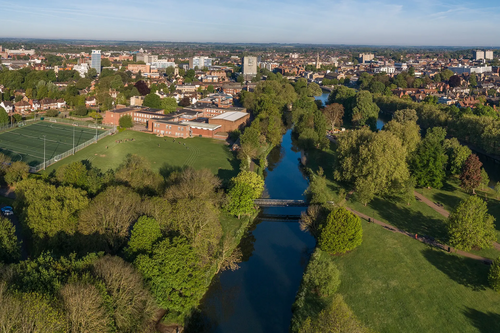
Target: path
[[425, 240], [442, 211]]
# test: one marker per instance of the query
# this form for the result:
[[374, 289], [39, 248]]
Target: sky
[[354, 22]]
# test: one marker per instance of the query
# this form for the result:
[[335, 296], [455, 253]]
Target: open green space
[[417, 218], [27, 143], [396, 284], [163, 153]]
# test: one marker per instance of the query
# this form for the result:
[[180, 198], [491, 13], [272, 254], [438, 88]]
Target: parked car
[[7, 210]]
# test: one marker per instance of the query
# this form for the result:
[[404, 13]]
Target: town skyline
[[363, 22]]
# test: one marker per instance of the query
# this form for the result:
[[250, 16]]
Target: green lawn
[[162, 153], [418, 217], [396, 284]]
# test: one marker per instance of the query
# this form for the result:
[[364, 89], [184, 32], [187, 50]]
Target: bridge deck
[[282, 203]]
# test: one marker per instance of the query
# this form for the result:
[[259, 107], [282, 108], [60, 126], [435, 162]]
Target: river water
[[258, 297]]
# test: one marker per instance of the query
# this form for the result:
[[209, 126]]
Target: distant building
[[488, 54], [96, 61], [478, 54], [82, 69], [146, 57], [365, 57], [466, 69], [249, 67], [163, 63], [199, 62]]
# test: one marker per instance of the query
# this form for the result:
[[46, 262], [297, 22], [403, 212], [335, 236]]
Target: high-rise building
[[249, 67], [199, 62], [318, 65], [478, 54], [488, 54], [96, 61]]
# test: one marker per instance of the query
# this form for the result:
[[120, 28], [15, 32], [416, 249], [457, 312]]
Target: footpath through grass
[[396, 284], [163, 153]]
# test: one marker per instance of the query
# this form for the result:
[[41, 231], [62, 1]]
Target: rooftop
[[231, 116]]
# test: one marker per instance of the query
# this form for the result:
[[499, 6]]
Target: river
[[258, 297]]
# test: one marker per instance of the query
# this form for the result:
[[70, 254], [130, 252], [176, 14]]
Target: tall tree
[[471, 174], [457, 155], [10, 250], [334, 114], [470, 226], [365, 111]]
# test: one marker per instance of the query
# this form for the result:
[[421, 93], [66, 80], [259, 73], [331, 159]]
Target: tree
[[365, 111], [341, 233], [16, 172], [240, 200], [46, 209], [111, 215], [4, 118], [365, 190], [335, 318], [210, 89], [153, 101], [84, 308], [454, 81], [142, 87], [145, 233], [136, 172], [313, 89], [173, 274], [485, 179], [407, 131], [250, 179], [322, 276], [497, 189], [126, 121], [457, 155], [471, 174], [81, 110], [134, 308], [470, 226], [494, 275], [334, 114], [169, 105], [429, 160], [10, 250], [185, 101], [473, 80], [317, 191]]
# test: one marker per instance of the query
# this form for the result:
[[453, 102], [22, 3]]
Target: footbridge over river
[[282, 216]]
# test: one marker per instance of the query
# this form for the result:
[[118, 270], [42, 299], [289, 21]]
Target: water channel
[[258, 297]]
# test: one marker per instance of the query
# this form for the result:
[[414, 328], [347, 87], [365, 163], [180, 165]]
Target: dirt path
[[439, 209], [425, 240], [442, 211]]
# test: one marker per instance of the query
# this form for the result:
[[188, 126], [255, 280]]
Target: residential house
[[22, 107], [90, 101], [48, 103]]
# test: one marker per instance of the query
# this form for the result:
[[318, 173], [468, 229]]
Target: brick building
[[230, 121]]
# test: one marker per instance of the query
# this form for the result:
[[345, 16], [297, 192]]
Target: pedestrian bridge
[[282, 203], [279, 217]]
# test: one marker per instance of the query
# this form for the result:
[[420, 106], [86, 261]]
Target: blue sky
[[371, 22]]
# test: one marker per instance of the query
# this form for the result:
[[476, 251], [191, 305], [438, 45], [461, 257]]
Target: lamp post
[[96, 128], [73, 138], [44, 152]]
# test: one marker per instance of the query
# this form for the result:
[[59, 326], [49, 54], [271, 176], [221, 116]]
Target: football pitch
[[26, 143]]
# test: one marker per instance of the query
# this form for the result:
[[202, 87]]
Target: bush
[[494, 276], [341, 233], [52, 113], [126, 121], [16, 172], [81, 111], [323, 277]]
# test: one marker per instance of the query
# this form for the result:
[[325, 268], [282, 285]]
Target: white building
[[82, 69], [162, 63], [249, 67], [466, 69], [385, 69], [488, 54], [478, 54]]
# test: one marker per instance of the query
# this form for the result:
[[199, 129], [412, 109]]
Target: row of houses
[[27, 105]]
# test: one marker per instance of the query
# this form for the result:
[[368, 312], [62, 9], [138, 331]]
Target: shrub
[[341, 233], [81, 111], [126, 121], [494, 276], [52, 113], [322, 276]]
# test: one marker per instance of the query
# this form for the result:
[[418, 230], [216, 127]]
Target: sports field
[[162, 153], [27, 143]]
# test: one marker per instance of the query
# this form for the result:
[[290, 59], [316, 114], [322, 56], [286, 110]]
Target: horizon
[[360, 22]]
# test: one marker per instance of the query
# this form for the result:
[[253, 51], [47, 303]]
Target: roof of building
[[231, 116], [125, 110], [206, 126]]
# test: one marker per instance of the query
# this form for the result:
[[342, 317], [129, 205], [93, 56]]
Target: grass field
[[396, 284], [418, 217], [27, 143], [162, 153]]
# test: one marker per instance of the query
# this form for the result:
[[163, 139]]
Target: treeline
[[270, 103], [479, 126], [115, 251]]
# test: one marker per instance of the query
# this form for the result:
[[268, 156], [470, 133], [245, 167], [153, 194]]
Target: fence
[[59, 157]]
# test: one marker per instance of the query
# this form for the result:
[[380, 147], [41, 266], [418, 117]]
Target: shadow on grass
[[449, 201], [407, 219], [465, 271], [488, 322]]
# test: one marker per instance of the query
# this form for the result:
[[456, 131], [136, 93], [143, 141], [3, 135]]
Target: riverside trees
[[168, 229]]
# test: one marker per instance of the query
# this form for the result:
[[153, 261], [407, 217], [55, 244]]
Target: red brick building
[[230, 121]]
